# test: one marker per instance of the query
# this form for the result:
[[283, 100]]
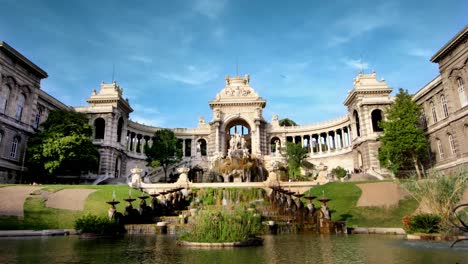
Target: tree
[[287, 122], [404, 143], [166, 150], [63, 145], [295, 154]]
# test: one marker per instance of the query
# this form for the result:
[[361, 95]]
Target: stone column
[[350, 136], [336, 139], [217, 138], [257, 136], [320, 142], [183, 147]]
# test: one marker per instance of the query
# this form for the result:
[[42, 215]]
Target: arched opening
[[238, 138], [201, 147], [356, 120], [118, 163], [99, 128], [275, 145], [376, 117], [119, 129]]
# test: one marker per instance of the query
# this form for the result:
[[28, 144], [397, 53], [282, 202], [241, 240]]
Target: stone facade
[[237, 124], [23, 105], [445, 105]]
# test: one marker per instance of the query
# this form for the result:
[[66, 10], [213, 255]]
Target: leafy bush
[[89, 223], [422, 223], [339, 172], [221, 225], [440, 192]]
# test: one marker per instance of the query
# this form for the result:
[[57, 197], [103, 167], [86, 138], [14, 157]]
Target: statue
[[136, 176], [277, 146]]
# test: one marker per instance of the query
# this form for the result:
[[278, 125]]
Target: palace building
[[237, 128]]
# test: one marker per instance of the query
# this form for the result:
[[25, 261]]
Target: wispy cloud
[[355, 64], [362, 21], [139, 58], [420, 52], [192, 75], [210, 8], [157, 122]]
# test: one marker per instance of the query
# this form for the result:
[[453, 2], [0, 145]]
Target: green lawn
[[37, 216], [344, 197]]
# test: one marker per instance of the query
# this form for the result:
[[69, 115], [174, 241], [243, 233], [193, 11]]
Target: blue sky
[[171, 57]]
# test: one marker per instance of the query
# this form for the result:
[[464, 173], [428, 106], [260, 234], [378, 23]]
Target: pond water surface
[[302, 248]]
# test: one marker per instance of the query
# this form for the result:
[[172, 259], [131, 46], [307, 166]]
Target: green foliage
[[404, 143], [287, 122], [221, 225], [440, 193], [339, 172], [63, 146], [166, 149], [90, 223], [295, 154], [210, 196], [422, 223]]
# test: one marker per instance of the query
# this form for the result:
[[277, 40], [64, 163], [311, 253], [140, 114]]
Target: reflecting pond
[[302, 248]]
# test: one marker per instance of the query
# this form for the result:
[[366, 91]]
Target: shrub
[[339, 172], [422, 223], [89, 223], [441, 193], [221, 225]]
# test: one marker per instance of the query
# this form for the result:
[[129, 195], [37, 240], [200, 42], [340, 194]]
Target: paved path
[[383, 194], [69, 199], [12, 199]]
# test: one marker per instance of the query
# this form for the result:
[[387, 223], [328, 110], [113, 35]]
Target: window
[[434, 113], [37, 121], [423, 119], [461, 92], [441, 150], [4, 96], [452, 144], [1, 137], [14, 147], [444, 105], [119, 129], [20, 106]]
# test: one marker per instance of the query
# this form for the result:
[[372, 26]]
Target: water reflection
[[304, 248]]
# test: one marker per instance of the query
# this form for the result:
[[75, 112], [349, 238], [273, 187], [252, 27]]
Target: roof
[[22, 59], [450, 45]]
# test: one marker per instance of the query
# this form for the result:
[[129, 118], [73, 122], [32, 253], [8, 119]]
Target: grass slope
[[37, 216], [344, 197]]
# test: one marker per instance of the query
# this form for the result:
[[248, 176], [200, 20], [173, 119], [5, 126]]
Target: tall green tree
[[295, 155], [404, 143], [166, 149], [287, 122], [63, 145]]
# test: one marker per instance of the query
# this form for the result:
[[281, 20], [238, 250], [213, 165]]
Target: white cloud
[[420, 52], [356, 64], [362, 21], [210, 8], [157, 122], [141, 59], [191, 74]]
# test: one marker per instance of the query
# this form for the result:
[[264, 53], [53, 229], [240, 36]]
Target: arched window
[[4, 96], [356, 120], [444, 105], [376, 117], [434, 113], [452, 144], [14, 147], [37, 121], [461, 92], [1, 137], [99, 128], [119, 129], [441, 150], [20, 106], [423, 119]]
